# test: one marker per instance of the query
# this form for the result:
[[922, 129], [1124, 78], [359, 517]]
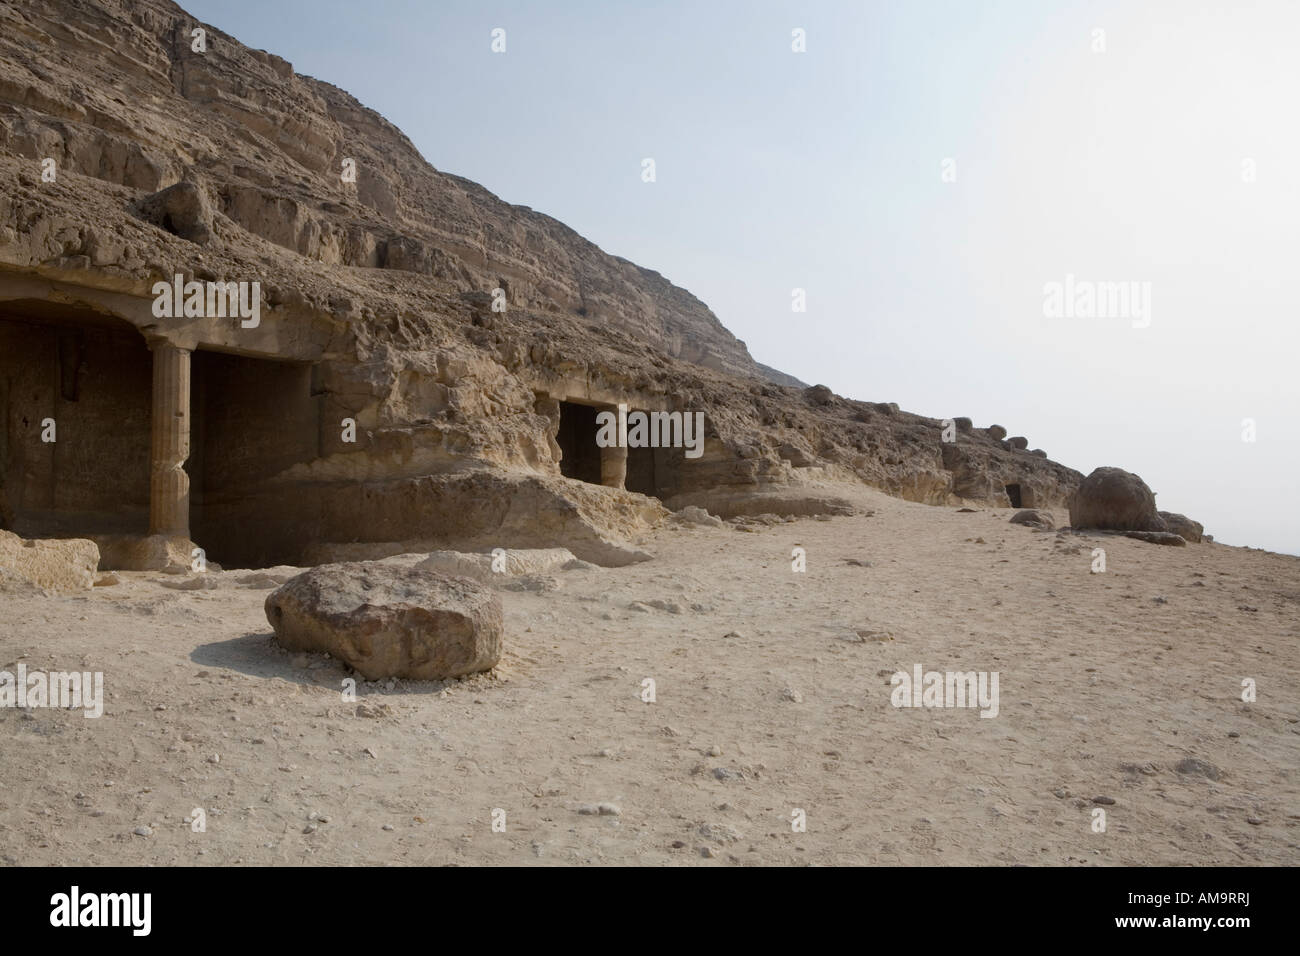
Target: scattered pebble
[[720, 832], [1194, 766]]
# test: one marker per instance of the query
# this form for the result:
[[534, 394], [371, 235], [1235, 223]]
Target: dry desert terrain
[[771, 694]]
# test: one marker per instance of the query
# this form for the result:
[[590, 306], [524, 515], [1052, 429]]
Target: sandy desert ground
[[771, 693]]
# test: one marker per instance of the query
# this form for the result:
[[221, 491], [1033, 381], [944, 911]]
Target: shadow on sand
[[257, 655]]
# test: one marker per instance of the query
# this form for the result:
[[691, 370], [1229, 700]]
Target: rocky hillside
[[113, 89], [377, 308]]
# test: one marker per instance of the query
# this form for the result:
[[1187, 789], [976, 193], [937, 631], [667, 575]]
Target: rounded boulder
[[1114, 499]]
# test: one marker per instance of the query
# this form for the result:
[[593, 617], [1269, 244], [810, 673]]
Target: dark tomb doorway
[[577, 440]]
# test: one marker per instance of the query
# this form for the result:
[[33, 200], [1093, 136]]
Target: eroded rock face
[[1114, 499], [1183, 526], [379, 294], [478, 511], [156, 552], [498, 568], [66, 564], [389, 621], [241, 126]]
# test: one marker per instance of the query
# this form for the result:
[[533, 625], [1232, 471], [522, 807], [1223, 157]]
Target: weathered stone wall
[[93, 381]]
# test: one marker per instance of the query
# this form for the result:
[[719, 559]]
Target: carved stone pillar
[[613, 466], [169, 485]]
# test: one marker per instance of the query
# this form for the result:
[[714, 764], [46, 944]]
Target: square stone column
[[169, 485], [613, 466]]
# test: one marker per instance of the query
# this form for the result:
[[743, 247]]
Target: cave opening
[[580, 455], [252, 418], [1013, 492]]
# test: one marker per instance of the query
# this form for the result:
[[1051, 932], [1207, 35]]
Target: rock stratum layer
[[378, 397]]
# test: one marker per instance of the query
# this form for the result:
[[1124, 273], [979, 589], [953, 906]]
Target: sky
[[924, 171]]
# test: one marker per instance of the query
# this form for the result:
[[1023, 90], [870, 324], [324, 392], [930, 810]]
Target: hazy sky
[[1172, 158]]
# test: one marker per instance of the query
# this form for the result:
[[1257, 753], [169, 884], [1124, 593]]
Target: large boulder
[[63, 564], [1183, 526], [1114, 499], [1019, 442], [385, 620], [181, 209], [1034, 518], [819, 394], [997, 432]]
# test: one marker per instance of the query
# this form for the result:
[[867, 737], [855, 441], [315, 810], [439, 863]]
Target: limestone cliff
[[382, 397], [114, 90]]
